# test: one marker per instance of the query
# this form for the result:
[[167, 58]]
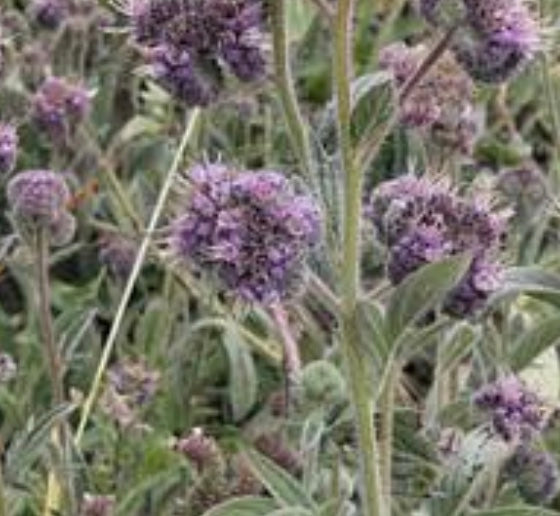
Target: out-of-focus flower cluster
[[494, 39], [423, 221], [58, 107], [535, 474], [38, 200], [190, 43], [117, 253], [442, 103], [516, 412], [251, 229], [131, 386]]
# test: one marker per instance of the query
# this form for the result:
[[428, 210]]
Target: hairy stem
[[127, 293], [386, 408], [297, 130], [291, 359], [357, 373]]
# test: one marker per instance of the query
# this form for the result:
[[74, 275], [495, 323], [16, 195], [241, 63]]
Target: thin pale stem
[[297, 130], [362, 401], [127, 293]]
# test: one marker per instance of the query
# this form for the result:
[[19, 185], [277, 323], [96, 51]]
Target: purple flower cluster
[[517, 413], [442, 103], [117, 254], [38, 200], [535, 473], [496, 38], [250, 228], [190, 43], [8, 148], [59, 106], [200, 449], [422, 221], [131, 385]]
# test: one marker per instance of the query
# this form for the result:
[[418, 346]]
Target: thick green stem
[[127, 293], [357, 372], [297, 131], [386, 407]]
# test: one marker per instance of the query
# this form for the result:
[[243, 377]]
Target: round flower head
[[516, 412], [442, 103], [118, 254], [423, 222], [8, 148], [250, 229], [200, 449], [38, 196], [503, 37], [49, 13], [191, 44], [535, 474], [134, 380], [59, 106]]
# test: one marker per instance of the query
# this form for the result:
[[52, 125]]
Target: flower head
[[38, 196], [202, 450], [8, 148], [535, 473], [250, 228], [442, 103], [190, 44], [423, 221], [118, 254], [516, 412], [59, 106]]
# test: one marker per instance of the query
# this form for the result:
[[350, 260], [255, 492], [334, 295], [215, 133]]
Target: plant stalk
[[386, 407], [359, 380], [127, 293], [297, 130]]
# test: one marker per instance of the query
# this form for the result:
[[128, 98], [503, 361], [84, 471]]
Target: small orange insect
[[90, 189]]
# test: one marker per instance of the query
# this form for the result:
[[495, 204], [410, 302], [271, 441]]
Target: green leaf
[[30, 443], [422, 292], [244, 506], [242, 374], [281, 485], [299, 17], [533, 342], [533, 281], [291, 511]]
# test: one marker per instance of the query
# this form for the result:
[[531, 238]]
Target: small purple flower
[[97, 505], [250, 228], [38, 196], [49, 13], [516, 412], [8, 148], [59, 106], [535, 474], [118, 254], [135, 381], [200, 449]]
